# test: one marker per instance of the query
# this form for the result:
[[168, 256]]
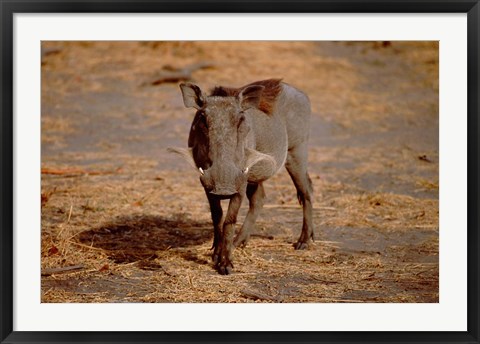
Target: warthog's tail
[[185, 153]]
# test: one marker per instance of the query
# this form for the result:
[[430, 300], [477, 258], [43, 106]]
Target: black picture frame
[[10, 7]]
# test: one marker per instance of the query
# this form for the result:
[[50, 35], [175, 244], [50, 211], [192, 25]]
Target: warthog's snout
[[223, 191], [222, 180]]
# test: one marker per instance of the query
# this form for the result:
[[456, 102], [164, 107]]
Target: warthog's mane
[[267, 100]]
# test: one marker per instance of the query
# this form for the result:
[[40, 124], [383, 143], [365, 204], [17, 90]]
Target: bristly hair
[[269, 94]]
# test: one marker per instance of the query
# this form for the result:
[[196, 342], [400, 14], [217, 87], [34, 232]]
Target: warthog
[[239, 138]]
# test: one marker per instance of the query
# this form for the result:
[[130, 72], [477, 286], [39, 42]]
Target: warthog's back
[[293, 106], [285, 126]]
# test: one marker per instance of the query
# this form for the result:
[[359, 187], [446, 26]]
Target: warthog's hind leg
[[256, 198], [296, 165]]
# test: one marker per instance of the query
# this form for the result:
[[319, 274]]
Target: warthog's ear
[[253, 156], [185, 153], [192, 95], [250, 96]]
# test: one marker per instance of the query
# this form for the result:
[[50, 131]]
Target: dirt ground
[[125, 221]]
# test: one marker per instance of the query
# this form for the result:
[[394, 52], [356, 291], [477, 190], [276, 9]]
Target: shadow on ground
[[129, 239]]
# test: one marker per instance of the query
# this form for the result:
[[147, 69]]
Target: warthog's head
[[221, 139]]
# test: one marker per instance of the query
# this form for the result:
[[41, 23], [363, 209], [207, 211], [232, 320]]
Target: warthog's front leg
[[224, 264], [217, 213], [256, 198]]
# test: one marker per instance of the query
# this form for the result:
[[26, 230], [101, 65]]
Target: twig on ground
[[62, 270], [256, 295], [294, 206]]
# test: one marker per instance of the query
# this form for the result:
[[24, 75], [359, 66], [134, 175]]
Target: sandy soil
[[134, 222]]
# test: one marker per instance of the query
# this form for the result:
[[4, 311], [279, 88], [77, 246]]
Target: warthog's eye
[[243, 126], [241, 119], [200, 121], [203, 120]]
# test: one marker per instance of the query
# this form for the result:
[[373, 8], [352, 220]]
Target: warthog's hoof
[[215, 258], [241, 241], [304, 241], [300, 245], [225, 270], [216, 254], [224, 266]]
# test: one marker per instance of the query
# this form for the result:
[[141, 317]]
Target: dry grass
[[138, 223]]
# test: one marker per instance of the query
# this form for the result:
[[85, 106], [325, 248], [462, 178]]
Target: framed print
[[239, 172]]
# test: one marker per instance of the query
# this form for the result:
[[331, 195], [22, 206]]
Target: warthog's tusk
[[245, 170], [201, 170]]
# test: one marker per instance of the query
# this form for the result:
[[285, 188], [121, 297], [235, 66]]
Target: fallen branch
[[70, 171], [171, 74], [344, 300], [85, 246], [170, 77], [63, 270], [291, 206], [256, 295], [325, 281]]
